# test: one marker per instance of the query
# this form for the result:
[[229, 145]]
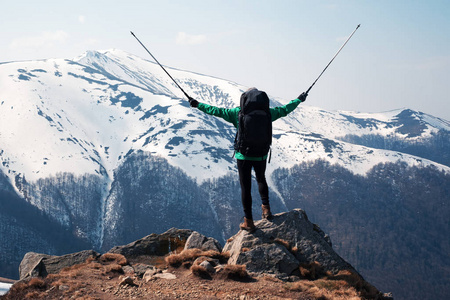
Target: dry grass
[[325, 289], [91, 266], [95, 265], [365, 289], [113, 269], [114, 257], [323, 285], [312, 270], [73, 268], [174, 260], [90, 259], [70, 277], [59, 282], [189, 255], [33, 295], [224, 256], [34, 288], [221, 256], [52, 276], [235, 272], [200, 271], [74, 271], [37, 283], [31, 289], [271, 278], [200, 260], [74, 287]]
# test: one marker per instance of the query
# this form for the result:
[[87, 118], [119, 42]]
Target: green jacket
[[232, 115]]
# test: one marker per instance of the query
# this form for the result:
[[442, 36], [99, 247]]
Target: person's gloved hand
[[193, 102], [302, 97]]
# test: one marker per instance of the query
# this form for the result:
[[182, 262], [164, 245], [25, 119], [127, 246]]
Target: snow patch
[[4, 288]]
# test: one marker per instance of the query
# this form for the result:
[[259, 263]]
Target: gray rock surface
[[141, 269], [36, 264], [279, 246], [199, 241], [155, 244], [208, 266]]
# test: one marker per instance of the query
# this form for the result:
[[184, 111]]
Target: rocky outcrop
[[288, 247], [282, 245], [199, 241], [155, 244], [40, 265], [278, 247]]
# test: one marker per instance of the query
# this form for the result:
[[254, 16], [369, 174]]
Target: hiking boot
[[247, 225], [266, 213]]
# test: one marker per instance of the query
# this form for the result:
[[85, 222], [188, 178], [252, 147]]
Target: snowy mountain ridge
[[85, 115]]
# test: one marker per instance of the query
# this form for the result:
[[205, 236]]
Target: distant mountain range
[[102, 149]]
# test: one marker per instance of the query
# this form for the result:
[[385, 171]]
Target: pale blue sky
[[400, 57]]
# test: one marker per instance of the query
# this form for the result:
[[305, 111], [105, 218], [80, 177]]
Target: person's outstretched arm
[[283, 111], [228, 114]]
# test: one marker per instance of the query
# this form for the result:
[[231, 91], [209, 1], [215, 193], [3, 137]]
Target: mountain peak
[[117, 101], [98, 54]]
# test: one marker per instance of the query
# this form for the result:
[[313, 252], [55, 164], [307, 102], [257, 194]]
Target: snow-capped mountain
[[85, 115], [106, 147]]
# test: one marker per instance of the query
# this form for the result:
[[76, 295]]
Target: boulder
[[141, 269], [279, 246], [208, 266], [32, 265], [155, 244], [40, 265], [199, 241]]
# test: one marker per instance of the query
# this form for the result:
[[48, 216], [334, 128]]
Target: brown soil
[[104, 278], [92, 283]]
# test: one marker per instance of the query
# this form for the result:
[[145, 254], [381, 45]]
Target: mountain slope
[[105, 146], [90, 112]]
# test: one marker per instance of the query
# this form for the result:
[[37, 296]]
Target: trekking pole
[[187, 96], [332, 59]]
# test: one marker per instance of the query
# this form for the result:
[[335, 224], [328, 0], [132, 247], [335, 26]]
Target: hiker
[[252, 143]]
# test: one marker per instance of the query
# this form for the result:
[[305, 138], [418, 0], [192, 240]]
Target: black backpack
[[254, 135]]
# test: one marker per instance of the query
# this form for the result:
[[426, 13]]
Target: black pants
[[245, 178]]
